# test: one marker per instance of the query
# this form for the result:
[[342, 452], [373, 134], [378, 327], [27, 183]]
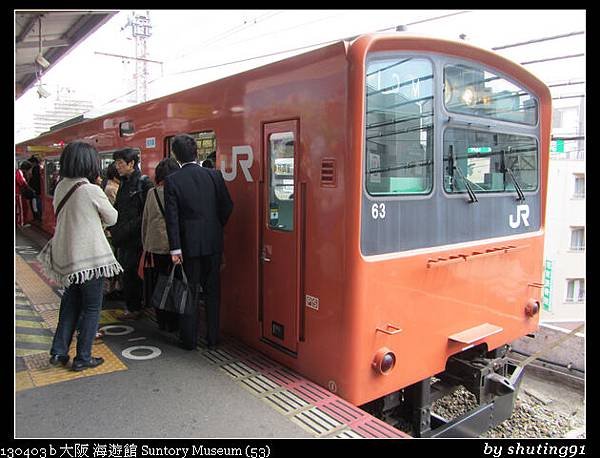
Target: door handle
[[264, 258]]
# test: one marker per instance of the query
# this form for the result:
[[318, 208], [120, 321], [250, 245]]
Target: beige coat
[[79, 250], [154, 228]]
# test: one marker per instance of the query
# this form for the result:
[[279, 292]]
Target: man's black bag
[[173, 294]]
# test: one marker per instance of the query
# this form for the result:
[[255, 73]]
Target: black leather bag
[[172, 294]]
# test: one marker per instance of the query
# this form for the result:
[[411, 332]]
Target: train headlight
[[532, 307], [468, 96], [384, 361]]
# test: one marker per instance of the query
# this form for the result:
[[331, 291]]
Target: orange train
[[388, 230]]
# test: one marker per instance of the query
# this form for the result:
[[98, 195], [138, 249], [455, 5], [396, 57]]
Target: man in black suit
[[197, 206]]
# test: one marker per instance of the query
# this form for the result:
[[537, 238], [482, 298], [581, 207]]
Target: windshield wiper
[[520, 195], [465, 180]]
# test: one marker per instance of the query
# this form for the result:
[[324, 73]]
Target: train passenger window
[[51, 170], [490, 162], [206, 142], [477, 92], [281, 181], [126, 128], [399, 126], [106, 158]]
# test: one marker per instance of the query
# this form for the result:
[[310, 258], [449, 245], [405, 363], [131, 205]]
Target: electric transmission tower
[[141, 30]]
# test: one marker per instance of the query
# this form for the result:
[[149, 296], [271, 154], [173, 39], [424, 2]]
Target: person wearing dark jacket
[[35, 182], [126, 234], [197, 207]]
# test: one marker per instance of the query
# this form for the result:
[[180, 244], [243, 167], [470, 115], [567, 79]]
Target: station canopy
[[42, 38]]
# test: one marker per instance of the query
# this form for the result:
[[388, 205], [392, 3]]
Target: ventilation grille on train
[[328, 173]]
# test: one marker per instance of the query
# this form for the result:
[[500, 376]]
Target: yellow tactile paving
[[25, 313], [50, 374], [23, 381], [50, 318], [33, 338], [30, 324], [32, 285], [29, 351], [46, 307], [32, 290]]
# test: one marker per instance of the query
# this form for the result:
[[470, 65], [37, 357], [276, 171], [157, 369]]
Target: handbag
[[172, 294]]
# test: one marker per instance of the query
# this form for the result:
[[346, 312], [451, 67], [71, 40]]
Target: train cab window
[[281, 181], [206, 143], [489, 162], [477, 92], [51, 171], [399, 126]]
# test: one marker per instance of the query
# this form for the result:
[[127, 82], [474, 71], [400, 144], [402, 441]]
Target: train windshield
[[476, 92], [399, 126], [489, 162]]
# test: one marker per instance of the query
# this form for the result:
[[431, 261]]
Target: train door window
[[281, 181], [399, 126], [489, 162], [206, 143], [51, 171]]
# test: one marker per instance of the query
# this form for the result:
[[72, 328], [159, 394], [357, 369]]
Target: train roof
[[365, 41]]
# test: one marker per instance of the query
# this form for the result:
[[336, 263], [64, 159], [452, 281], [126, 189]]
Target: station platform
[[148, 387]]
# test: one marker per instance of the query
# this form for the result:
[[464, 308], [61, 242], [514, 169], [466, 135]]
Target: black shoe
[[93, 362], [55, 360]]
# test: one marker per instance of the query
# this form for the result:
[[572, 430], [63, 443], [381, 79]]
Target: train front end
[[450, 170]]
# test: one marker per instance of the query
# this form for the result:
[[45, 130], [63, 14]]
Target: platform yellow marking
[[30, 351], [52, 374], [110, 316], [30, 324], [36, 289], [34, 338], [46, 303], [25, 313], [46, 307], [23, 381], [50, 318]]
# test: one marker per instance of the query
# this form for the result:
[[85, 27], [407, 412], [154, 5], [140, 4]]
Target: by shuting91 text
[[562, 451]]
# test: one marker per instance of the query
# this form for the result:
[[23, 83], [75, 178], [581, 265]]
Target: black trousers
[[205, 271], [132, 283]]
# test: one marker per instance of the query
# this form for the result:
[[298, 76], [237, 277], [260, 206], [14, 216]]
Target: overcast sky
[[187, 40]]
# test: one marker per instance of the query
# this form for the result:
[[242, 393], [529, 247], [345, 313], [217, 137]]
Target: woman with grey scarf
[[79, 255]]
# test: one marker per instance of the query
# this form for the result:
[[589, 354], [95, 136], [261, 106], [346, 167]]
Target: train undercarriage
[[489, 376]]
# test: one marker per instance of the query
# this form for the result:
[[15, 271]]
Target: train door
[[279, 250]]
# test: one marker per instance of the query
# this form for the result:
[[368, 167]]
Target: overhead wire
[[324, 43]]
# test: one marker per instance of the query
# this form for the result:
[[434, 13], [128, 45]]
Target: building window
[[579, 190], [575, 290], [577, 239], [565, 118]]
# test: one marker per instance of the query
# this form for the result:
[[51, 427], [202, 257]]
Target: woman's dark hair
[[165, 168], [185, 148], [127, 154], [111, 172], [25, 165], [80, 160]]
